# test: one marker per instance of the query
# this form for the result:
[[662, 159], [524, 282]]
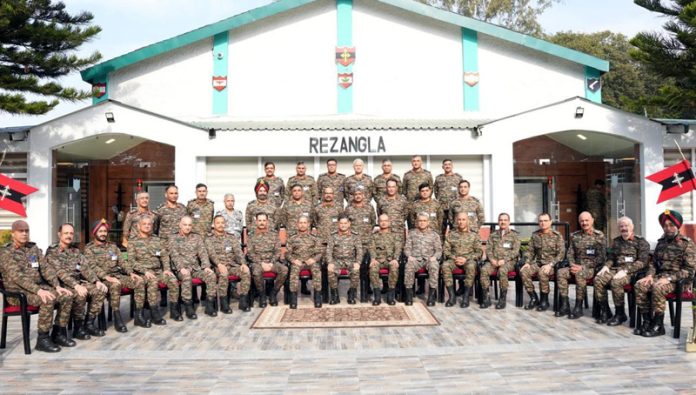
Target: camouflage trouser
[[376, 281], [46, 309], [617, 287], [658, 296], [278, 268], [126, 282], [399, 235], [223, 282], [333, 274], [413, 265], [581, 278], [529, 272], [95, 305], [469, 272], [152, 288], [295, 275], [186, 285], [503, 271]]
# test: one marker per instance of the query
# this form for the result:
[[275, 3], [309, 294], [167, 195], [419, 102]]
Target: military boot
[[577, 310], [93, 329], [118, 322], [273, 298], [79, 331], [460, 288], [432, 297], [485, 300], [351, 295], [293, 300], [604, 313], [376, 297], [408, 300], [262, 300], [533, 301], [619, 317], [211, 307], [60, 337], [175, 311], [333, 296], [157, 316], [465, 297], [645, 325], [391, 296], [421, 286], [543, 302], [452, 300], [317, 299], [139, 319], [502, 300], [564, 308], [244, 303], [45, 344], [225, 305], [658, 327], [305, 291], [190, 310]]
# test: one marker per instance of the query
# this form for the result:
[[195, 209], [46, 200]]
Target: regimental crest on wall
[[594, 84], [99, 89], [471, 78], [345, 56], [219, 83], [345, 80]]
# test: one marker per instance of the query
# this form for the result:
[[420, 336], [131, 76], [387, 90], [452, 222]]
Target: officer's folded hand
[[81, 290], [149, 275], [604, 270], [63, 291], [621, 274], [45, 296]]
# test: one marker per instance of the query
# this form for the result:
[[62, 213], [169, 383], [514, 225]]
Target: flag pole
[[680, 150]]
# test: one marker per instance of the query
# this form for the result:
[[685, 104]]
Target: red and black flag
[[675, 180], [11, 194]]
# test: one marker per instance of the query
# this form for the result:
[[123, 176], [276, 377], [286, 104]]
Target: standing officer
[[394, 205], [130, 224], [201, 210], [588, 247], [264, 253], [427, 205], [423, 249], [381, 180], [463, 248], [674, 260], [169, 213], [467, 204], [20, 262], [415, 177], [301, 178], [225, 253], [503, 250], [332, 179], [362, 218], [447, 184], [149, 257], [73, 271], [344, 251], [276, 186], [629, 255], [326, 216], [261, 205], [596, 202], [358, 181], [293, 208], [544, 251], [190, 259], [105, 260], [385, 251], [234, 220], [304, 252]]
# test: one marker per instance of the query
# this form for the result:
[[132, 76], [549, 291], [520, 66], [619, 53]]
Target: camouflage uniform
[[264, 247], [542, 249], [397, 210], [674, 260], [362, 222], [72, 269], [423, 249], [234, 223], [291, 212], [168, 219], [150, 254], [630, 255], [189, 252], [130, 224], [380, 183], [501, 246], [461, 245], [412, 180], [472, 206], [276, 191], [326, 220], [587, 250], [302, 247], [447, 188], [21, 269], [309, 188], [343, 252], [202, 215], [254, 207], [352, 184], [384, 248], [105, 260], [227, 250], [334, 181], [434, 211]]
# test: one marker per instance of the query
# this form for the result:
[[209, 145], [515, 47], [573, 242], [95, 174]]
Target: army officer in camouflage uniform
[[503, 250], [201, 210], [463, 249], [385, 251], [344, 251], [225, 253], [423, 249], [304, 252], [544, 251], [264, 253]]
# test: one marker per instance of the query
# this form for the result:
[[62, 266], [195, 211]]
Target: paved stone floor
[[472, 351]]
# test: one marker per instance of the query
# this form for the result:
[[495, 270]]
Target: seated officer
[[462, 249], [503, 250], [73, 271], [544, 251], [20, 264], [264, 253], [304, 252], [423, 249], [343, 252], [385, 250]]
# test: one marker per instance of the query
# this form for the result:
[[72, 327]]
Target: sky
[[131, 24]]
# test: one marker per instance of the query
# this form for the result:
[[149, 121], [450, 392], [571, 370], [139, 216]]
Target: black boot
[[543, 302], [376, 296], [293, 300], [317, 299], [190, 310], [118, 322], [533, 301], [577, 310], [262, 300], [421, 286], [333, 296], [485, 300], [604, 313], [93, 329], [305, 291], [79, 331], [408, 300], [452, 300], [619, 317], [351, 295], [564, 308], [643, 329], [175, 311], [658, 327], [45, 344], [157, 316], [211, 307], [139, 319], [273, 298], [244, 303], [465, 297], [391, 297], [60, 337], [460, 288], [432, 297], [225, 305], [502, 300]]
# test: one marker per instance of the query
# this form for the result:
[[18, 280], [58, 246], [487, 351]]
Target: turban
[[673, 216]]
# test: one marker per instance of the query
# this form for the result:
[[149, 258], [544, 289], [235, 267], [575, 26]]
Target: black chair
[[24, 311]]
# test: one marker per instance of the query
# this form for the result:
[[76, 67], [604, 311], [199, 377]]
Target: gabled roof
[[99, 71]]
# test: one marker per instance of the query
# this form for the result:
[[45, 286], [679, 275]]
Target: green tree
[[38, 40], [671, 55], [518, 15]]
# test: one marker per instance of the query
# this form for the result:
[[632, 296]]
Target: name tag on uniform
[[453, 188], [472, 214], [276, 193], [114, 257], [228, 248], [628, 259], [158, 253], [306, 188], [590, 251], [507, 245], [334, 219], [361, 187], [366, 219], [77, 267], [433, 215], [305, 214], [34, 265]]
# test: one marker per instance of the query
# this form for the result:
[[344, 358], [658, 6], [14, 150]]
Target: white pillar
[[501, 185], [40, 204], [185, 173]]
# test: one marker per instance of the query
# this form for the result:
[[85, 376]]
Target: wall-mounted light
[[476, 131], [110, 117], [579, 112], [211, 134], [109, 141], [582, 136]]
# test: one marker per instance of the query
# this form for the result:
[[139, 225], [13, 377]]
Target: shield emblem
[[219, 83], [345, 55], [471, 78], [345, 79], [594, 84], [99, 90]]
